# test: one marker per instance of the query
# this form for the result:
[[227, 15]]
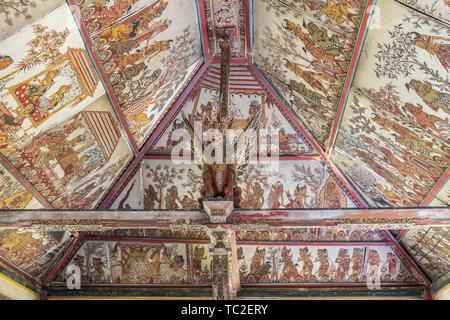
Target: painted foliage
[[120, 262], [284, 263], [144, 50], [430, 248], [168, 185], [33, 251], [13, 195], [246, 98], [72, 153], [310, 234], [439, 9], [395, 128], [307, 57], [143, 116], [14, 14]]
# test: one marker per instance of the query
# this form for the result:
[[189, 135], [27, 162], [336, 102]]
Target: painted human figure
[[289, 272], [322, 257], [308, 264], [343, 261], [275, 199]]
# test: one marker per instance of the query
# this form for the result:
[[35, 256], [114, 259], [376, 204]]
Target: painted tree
[[162, 177], [43, 49], [400, 58], [311, 177]]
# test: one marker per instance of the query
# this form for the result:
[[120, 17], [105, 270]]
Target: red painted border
[[109, 89], [155, 135], [16, 174], [350, 73]]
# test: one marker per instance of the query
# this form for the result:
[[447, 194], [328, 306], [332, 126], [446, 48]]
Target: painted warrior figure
[[219, 177]]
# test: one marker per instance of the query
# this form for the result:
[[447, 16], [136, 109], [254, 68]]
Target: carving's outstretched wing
[[196, 143], [246, 140]]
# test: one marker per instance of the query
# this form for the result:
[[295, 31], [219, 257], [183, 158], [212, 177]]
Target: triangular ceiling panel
[[396, 121]]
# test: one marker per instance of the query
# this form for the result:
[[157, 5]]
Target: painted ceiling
[[92, 92]]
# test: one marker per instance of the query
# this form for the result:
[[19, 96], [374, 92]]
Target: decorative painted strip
[[203, 30], [150, 240], [364, 27], [19, 285], [437, 187], [98, 66], [16, 174]]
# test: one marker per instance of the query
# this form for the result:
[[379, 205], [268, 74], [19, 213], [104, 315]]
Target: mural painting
[[430, 248], [307, 57], [44, 70], [15, 14], [146, 49], [13, 195], [396, 121], [246, 98], [32, 250], [295, 184], [120, 262], [310, 234], [318, 263], [145, 114], [71, 153], [159, 233]]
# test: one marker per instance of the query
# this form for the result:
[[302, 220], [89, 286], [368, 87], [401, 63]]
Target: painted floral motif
[[293, 264], [141, 263]]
